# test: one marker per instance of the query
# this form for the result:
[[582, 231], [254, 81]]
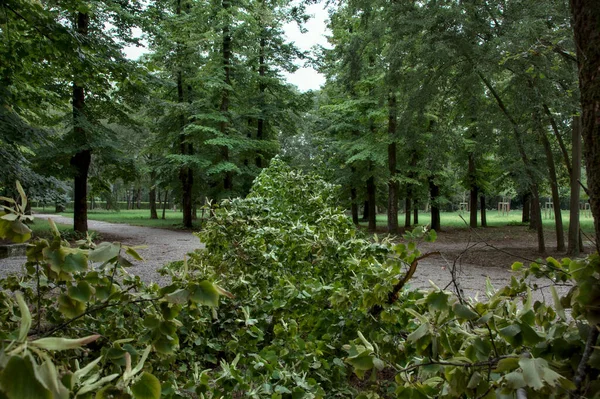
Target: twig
[[581, 369], [393, 295], [483, 363]]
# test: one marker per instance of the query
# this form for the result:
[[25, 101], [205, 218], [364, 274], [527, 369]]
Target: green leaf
[[104, 252], [82, 292], [418, 333], [147, 387], [205, 293], [25, 317], [180, 296], [517, 266], [363, 361], [508, 364], [18, 380], [510, 331], [133, 253], [532, 373], [464, 312], [70, 307], [59, 344], [560, 310]]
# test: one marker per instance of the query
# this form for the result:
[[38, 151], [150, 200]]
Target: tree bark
[[262, 69], [354, 206], [560, 234], [483, 212], [526, 163], [152, 196], [165, 204], [372, 203], [365, 216], [393, 185], [561, 143], [525, 218], [434, 192], [474, 190], [586, 24], [82, 159], [415, 213], [574, 249]]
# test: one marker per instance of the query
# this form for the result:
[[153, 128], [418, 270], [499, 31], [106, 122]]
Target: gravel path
[[491, 257], [164, 246]]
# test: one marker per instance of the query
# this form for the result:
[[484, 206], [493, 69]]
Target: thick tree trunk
[[434, 192], [483, 212], [224, 108], [586, 24], [560, 234], [407, 212], [393, 185], [474, 192], [365, 216], [371, 193], [185, 174], [525, 218], [574, 249], [82, 159]]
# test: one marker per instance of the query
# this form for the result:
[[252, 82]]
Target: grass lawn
[[133, 217], [41, 228], [453, 220]]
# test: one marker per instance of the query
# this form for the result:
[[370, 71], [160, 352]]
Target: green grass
[[453, 220], [134, 217], [41, 228]]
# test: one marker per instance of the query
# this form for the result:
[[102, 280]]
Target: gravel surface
[[491, 253], [164, 246]]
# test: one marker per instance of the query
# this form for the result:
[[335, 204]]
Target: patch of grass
[[41, 229], [136, 217], [453, 220]]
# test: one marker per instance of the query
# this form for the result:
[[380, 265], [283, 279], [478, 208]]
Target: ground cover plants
[[288, 300]]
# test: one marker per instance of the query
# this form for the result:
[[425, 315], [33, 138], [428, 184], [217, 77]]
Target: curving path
[[164, 246]]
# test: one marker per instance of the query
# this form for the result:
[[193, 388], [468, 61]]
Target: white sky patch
[[305, 78]]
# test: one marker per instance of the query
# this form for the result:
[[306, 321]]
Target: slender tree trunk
[[152, 196], [574, 249], [165, 204], [526, 163], [537, 217], [586, 24], [138, 203], [224, 108], [365, 216], [561, 143], [354, 206], [393, 185], [483, 212], [526, 208], [82, 159], [560, 234], [371, 193], [415, 213], [262, 69], [434, 192], [474, 192]]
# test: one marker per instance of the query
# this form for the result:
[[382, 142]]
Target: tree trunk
[[526, 163], [586, 24], [82, 159], [262, 69], [561, 143], [574, 248], [415, 213], [407, 212], [526, 208], [483, 212], [365, 216], [138, 202], [474, 192], [185, 173], [371, 192], [393, 185], [165, 204], [560, 234], [354, 206], [537, 216], [224, 108], [434, 192], [152, 196]]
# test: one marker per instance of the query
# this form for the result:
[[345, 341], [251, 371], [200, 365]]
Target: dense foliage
[[309, 308]]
